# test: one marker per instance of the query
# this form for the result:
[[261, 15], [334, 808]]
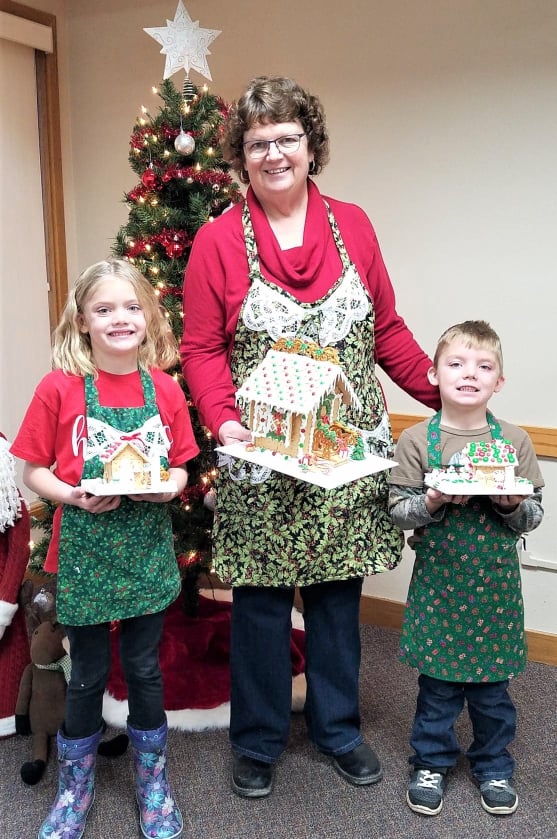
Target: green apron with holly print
[[274, 530], [464, 619], [121, 563]]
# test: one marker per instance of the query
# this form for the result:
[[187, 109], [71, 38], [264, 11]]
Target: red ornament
[[149, 179], [174, 249]]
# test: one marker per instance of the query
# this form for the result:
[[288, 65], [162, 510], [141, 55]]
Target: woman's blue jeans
[[139, 656], [493, 718], [261, 669]]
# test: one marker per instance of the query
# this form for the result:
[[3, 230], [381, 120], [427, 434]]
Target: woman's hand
[[233, 432]]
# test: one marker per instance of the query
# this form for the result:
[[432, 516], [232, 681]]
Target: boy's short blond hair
[[474, 333]]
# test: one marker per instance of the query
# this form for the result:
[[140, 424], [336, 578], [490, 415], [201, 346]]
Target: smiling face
[[467, 376], [277, 173], [114, 319]]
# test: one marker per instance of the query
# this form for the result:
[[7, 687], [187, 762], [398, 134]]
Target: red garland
[[174, 241], [166, 291], [204, 176]]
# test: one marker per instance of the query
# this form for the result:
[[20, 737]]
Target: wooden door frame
[[50, 149]]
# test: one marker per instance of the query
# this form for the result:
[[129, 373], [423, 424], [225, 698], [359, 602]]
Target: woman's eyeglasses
[[288, 144]]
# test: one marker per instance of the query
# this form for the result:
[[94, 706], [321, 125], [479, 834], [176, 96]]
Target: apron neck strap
[[434, 437]]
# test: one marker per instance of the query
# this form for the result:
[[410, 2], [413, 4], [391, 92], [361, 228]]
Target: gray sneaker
[[425, 791], [499, 797]]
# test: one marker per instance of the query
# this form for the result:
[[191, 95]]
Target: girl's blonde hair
[[474, 333], [71, 351]]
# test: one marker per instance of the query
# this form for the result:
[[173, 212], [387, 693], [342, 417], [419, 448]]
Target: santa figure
[[14, 556]]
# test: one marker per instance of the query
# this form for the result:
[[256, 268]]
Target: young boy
[[464, 622]]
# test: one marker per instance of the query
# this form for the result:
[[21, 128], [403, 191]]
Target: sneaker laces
[[428, 780], [502, 784]]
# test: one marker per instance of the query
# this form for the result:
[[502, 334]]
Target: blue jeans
[[493, 718], [139, 655], [261, 669]]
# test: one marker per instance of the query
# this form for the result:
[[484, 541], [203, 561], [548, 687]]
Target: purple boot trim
[[159, 815], [76, 788]]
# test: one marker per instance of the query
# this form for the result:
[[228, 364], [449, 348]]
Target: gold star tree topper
[[184, 43]]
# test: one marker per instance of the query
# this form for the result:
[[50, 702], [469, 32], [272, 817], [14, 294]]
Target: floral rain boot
[[76, 787], [159, 815]]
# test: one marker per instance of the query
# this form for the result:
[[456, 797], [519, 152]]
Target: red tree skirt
[[194, 656]]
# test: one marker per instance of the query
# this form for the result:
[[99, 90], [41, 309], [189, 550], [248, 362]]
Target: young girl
[[113, 554]]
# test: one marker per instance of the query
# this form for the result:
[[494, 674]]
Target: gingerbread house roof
[[291, 382], [491, 453], [119, 446]]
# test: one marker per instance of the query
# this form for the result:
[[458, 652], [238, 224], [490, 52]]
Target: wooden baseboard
[[542, 646]]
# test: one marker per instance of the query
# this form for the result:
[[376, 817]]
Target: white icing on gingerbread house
[[492, 463], [125, 461], [290, 397]]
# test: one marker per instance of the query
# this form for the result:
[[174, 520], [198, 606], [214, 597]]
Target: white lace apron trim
[[328, 321]]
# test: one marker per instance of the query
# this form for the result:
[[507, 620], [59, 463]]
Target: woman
[[289, 262]]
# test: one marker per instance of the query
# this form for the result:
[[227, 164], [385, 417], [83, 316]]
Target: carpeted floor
[[310, 801]]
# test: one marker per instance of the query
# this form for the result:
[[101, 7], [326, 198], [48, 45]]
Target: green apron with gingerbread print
[[121, 563], [274, 530], [464, 619]]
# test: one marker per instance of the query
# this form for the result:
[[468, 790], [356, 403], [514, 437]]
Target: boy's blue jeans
[[493, 718]]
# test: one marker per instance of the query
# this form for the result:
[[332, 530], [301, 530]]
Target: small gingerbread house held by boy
[[492, 464], [293, 399]]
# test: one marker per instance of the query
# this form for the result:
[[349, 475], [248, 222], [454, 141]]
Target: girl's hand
[[92, 503], [178, 474], [157, 497]]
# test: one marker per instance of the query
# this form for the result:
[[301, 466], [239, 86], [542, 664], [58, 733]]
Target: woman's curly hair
[[275, 99]]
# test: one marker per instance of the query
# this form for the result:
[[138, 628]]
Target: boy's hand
[[507, 503], [434, 499]]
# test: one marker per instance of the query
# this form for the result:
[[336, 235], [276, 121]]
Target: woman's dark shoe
[[360, 766], [251, 778]]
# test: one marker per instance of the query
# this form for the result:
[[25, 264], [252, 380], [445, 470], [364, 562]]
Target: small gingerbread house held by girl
[[293, 398], [127, 462]]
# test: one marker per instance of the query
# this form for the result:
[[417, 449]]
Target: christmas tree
[[183, 183]]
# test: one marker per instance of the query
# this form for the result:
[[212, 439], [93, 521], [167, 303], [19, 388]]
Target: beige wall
[[443, 125]]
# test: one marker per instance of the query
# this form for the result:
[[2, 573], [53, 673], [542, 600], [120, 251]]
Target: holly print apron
[[121, 563], [271, 529], [464, 619]]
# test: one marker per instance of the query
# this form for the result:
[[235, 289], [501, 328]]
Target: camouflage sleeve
[[527, 515], [407, 507]]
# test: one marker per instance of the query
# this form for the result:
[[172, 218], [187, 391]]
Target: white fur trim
[[10, 502], [115, 713], [7, 612], [7, 726]]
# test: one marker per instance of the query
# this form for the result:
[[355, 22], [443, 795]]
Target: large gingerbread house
[[293, 398]]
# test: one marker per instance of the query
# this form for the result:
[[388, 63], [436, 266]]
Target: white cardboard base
[[451, 488], [323, 474], [96, 486]]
